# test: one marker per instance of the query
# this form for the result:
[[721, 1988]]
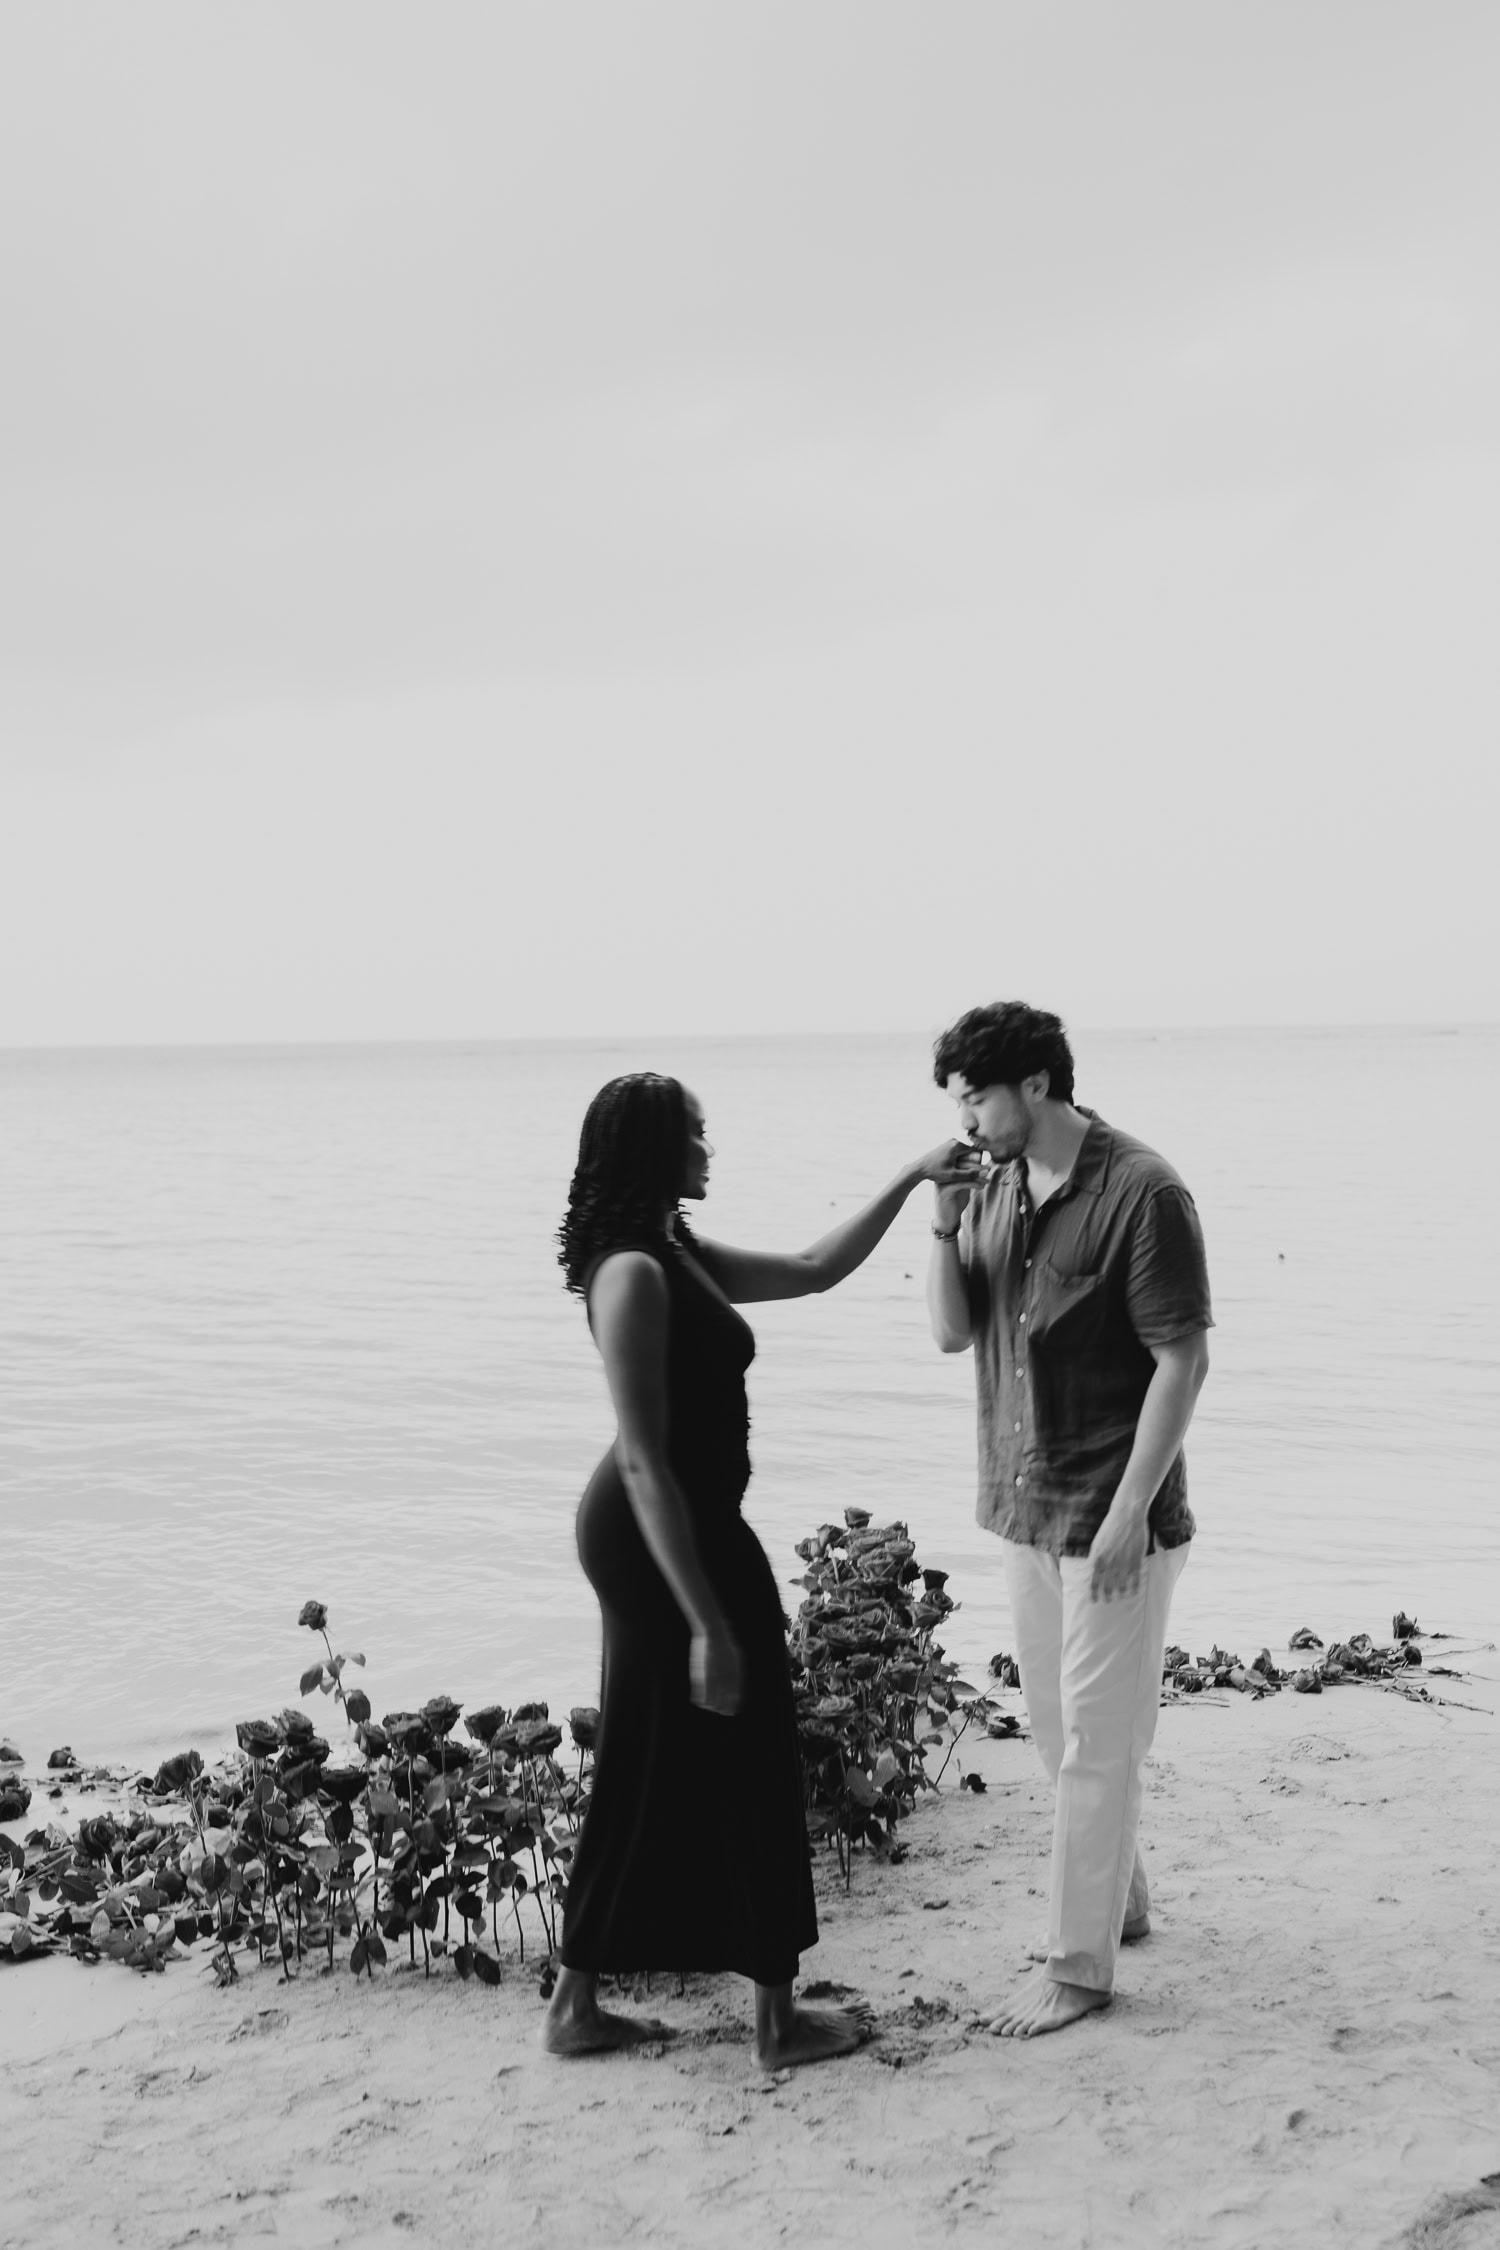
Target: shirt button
[[1028, 1265], [1023, 1319], [1020, 1480], [1018, 1429]]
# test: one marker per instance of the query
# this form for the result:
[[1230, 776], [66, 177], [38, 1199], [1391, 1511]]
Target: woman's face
[[699, 1150]]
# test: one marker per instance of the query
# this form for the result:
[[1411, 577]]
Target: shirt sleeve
[[976, 1279], [1166, 1279]]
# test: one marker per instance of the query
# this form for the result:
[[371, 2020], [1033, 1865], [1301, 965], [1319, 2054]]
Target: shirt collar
[[1090, 1165]]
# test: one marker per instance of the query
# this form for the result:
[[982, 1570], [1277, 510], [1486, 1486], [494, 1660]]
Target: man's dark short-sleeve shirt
[[1064, 1303]]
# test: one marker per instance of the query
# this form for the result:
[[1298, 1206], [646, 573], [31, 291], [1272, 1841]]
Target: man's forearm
[[948, 1297], [1166, 1411]]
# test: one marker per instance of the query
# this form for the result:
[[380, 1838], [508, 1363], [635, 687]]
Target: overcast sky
[[628, 517]]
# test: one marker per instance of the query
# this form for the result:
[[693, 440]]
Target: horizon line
[[1439, 1027]]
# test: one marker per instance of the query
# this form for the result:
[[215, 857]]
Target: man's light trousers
[[1091, 1676]]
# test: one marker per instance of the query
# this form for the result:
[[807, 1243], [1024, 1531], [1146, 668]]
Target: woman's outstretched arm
[[628, 1307], [750, 1277]]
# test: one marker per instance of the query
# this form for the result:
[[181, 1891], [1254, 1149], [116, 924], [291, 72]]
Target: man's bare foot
[[1138, 1927], [1041, 2006], [598, 2034], [575, 2024], [808, 2035]]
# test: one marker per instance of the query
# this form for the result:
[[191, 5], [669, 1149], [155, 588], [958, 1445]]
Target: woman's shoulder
[[626, 1269]]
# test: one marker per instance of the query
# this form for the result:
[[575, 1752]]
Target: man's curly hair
[[632, 1158], [1002, 1043]]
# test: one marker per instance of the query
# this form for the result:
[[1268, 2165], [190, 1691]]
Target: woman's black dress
[[694, 1848]]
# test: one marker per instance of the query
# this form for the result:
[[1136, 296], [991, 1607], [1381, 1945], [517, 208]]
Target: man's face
[[1000, 1119]]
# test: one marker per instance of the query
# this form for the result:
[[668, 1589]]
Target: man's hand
[[1119, 1550], [1118, 1556]]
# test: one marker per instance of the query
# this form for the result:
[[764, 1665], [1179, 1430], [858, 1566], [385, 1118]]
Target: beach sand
[[1306, 2049]]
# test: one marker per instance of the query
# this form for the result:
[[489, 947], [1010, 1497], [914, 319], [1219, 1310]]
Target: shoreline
[[1307, 2043]]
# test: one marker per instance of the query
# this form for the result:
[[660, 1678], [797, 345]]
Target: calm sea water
[[287, 1322]]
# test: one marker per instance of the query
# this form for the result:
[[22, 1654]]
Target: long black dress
[[694, 1848]]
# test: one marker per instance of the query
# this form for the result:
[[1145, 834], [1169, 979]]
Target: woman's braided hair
[[632, 1157]]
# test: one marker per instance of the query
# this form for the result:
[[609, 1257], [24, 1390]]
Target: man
[[1075, 1268]]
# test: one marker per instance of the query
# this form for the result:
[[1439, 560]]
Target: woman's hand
[[955, 1170], [951, 1164], [716, 1672]]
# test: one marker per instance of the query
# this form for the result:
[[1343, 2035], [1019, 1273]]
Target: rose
[[441, 1713], [485, 1724], [257, 1738], [307, 1750], [408, 1728], [176, 1773], [314, 1615], [357, 1705], [583, 1725], [342, 1783]]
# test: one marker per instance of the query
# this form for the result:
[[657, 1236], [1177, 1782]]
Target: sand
[[1306, 2050]]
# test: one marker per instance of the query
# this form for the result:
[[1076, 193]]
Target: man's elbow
[[1197, 1360], [951, 1339]]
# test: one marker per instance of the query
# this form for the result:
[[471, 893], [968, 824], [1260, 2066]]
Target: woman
[[694, 1851]]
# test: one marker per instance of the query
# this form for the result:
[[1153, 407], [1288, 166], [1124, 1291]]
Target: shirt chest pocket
[[1067, 1309]]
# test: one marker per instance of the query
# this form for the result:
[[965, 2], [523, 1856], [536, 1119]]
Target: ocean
[[287, 1322]]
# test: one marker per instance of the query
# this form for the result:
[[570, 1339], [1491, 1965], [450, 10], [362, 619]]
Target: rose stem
[[443, 1776], [338, 1685]]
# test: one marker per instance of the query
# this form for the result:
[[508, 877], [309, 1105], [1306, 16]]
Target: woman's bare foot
[[812, 2035], [1138, 1927], [1041, 2006], [786, 2035], [575, 2024]]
